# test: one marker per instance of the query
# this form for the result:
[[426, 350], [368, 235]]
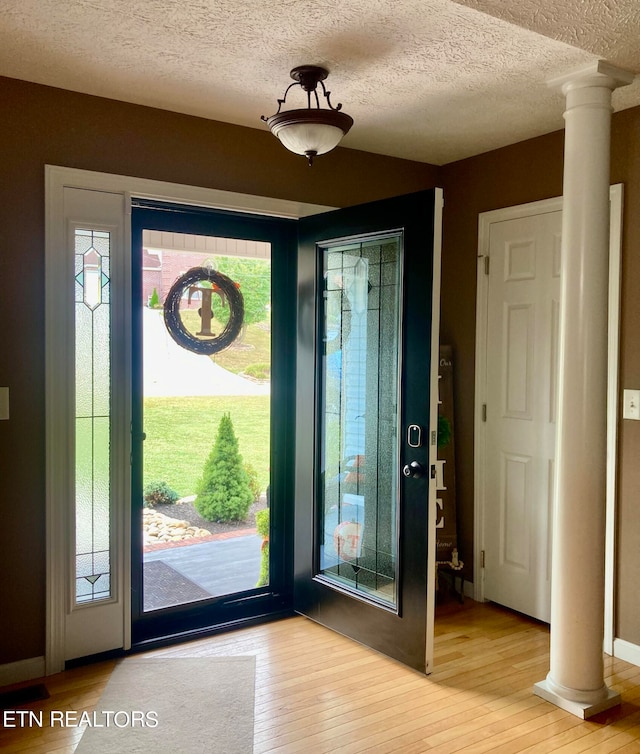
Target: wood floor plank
[[317, 692]]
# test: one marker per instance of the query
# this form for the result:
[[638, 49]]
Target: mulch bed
[[186, 511]]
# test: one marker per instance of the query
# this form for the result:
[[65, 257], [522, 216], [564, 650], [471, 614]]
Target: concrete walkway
[[220, 567], [171, 370]]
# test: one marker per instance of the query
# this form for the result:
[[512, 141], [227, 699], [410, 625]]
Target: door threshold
[[159, 642]]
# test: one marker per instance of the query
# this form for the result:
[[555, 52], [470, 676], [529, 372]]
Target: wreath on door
[[229, 292]]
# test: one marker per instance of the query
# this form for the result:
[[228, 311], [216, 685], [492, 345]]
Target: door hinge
[[486, 265], [481, 558], [484, 412]]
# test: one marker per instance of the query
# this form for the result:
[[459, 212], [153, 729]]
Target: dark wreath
[[174, 323]]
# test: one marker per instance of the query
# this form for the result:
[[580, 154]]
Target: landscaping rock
[[159, 528]]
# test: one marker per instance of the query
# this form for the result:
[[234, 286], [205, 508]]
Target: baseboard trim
[[626, 651], [23, 670]]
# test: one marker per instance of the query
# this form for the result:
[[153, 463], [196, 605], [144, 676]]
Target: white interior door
[[516, 361], [522, 342]]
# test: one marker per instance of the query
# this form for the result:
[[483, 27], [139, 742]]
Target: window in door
[[359, 429], [206, 419]]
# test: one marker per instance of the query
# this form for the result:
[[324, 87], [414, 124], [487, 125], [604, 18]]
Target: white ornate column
[[576, 677]]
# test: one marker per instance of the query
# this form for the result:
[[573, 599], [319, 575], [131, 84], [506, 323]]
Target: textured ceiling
[[609, 29], [429, 80]]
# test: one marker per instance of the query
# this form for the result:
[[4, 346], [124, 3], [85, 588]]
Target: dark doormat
[[165, 587], [15, 699]]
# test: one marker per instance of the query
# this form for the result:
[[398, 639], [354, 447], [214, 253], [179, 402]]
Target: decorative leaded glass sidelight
[[92, 415]]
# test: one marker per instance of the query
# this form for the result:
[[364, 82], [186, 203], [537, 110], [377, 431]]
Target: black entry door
[[364, 556], [227, 569]]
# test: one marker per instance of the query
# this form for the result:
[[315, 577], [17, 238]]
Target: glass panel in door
[[359, 423], [206, 421], [93, 545]]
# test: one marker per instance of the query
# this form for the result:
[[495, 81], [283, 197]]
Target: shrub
[[223, 492], [154, 301], [254, 484], [262, 526], [159, 493], [258, 371]]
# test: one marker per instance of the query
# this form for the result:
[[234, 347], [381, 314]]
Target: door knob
[[413, 469]]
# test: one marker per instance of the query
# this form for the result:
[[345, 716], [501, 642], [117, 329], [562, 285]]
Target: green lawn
[[237, 358], [254, 347], [181, 431]]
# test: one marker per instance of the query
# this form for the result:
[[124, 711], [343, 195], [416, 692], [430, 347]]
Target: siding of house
[[42, 125]]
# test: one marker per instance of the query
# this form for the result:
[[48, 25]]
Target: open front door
[[368, 281]]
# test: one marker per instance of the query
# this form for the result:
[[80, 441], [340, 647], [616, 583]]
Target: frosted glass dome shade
[[310, 132]]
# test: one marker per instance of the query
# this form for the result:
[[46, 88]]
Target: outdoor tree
[[223, 492], [254, 277]]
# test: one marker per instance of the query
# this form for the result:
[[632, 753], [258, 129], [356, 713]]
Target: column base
[[583, 710]]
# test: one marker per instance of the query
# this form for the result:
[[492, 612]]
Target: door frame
[[151, 627], [485, 220], [58, 345]]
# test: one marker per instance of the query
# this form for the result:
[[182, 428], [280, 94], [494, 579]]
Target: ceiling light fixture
[[312, 130]]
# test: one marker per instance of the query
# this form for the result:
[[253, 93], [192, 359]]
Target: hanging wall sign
[[191, 284], [446, 528]]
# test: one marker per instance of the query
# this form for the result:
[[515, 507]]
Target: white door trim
[[616, 195], [58, 369], [615, 245]]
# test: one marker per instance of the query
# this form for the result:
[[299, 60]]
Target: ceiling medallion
[[313, 130]]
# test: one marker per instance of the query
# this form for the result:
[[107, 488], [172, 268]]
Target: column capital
[[599, 73]]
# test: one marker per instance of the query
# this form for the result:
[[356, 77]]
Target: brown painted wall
[[517, 174], [625, 168], [42, 125], [520, 173]]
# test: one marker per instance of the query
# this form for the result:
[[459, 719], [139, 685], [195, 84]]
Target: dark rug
[[164, 587]]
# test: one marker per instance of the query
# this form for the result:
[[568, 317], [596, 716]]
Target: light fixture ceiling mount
[[312, 130]]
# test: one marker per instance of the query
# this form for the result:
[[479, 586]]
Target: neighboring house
[[160, 271], [43, 125]]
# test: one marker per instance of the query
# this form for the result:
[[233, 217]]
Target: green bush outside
[[223, 492], [262, 527], [254, 279], [180, 434], [254, 484], [159, 493], [258, 371]]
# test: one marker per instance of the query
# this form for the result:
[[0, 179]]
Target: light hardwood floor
[[319, 692]]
